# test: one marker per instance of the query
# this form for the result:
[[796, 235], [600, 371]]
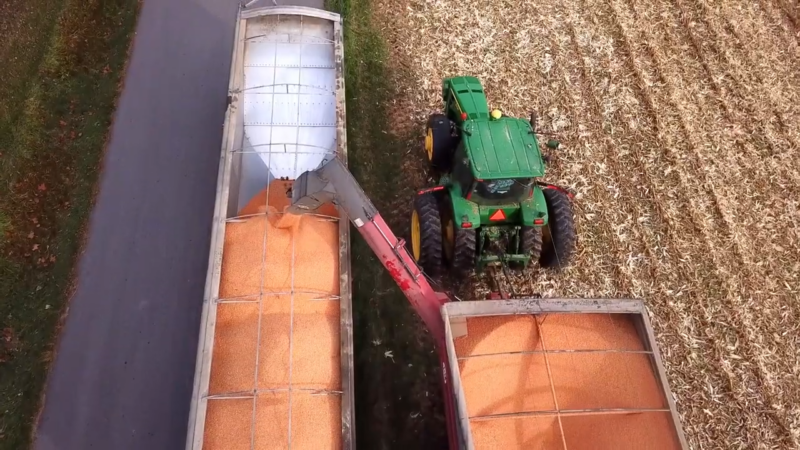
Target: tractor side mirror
[[552, 144]]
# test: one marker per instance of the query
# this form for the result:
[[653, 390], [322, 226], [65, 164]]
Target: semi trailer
[[274, 363]]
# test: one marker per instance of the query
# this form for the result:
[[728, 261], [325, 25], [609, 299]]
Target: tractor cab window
[[508, 190]]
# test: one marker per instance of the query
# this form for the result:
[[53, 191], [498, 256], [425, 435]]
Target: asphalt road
[[122, 377]]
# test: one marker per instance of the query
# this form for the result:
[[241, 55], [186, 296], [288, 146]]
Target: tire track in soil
[[626, 166], [741, 81], [735, 286], [767, 73], [771, 310], [650, 111], [728, 95], [782, 313], [783, 19], [592, 118], [784, 65], [640, 195], [712, 210]]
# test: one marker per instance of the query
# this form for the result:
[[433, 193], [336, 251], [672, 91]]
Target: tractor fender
[[465, 211], [445, 90], [534, 208]]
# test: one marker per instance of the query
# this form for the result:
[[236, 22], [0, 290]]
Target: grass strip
[[65, 67], [397, 392]]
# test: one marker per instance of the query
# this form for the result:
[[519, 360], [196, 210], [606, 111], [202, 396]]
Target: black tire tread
[[464, 252], [441, 159], [558, 252], [530, 244], [430, 230]]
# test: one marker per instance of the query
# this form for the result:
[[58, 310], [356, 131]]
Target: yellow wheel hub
[[429, 144], [416, 243], [449, 239]]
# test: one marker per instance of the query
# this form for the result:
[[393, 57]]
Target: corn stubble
[[680, 127]]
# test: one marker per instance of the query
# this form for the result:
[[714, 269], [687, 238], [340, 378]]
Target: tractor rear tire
[[464, 250], [559, 235], [439, 143], [459, 244], [530, 244], [426, 234]]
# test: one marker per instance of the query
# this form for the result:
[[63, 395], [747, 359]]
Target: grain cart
[[522, 373], [490, 206]]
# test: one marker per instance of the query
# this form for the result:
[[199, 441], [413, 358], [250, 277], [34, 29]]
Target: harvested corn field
[[680, 125]]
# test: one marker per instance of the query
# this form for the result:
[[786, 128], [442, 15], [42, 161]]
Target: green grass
[[63, 61], [398, 398]]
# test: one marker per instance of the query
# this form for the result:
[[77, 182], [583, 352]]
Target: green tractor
[[490, 207]]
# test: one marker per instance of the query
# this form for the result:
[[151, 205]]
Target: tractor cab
[[497, 162], [488, 192], [489, 207]]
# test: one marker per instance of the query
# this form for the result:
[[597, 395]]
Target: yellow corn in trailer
[[275, 366]]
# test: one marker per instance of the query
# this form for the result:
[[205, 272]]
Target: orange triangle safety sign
[[498, 215]]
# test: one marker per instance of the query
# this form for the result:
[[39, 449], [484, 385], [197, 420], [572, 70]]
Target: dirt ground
[[680, 128]]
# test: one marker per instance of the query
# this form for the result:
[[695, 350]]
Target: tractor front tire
[[426, 234], [439, 142], [530, 243], [559, 235]]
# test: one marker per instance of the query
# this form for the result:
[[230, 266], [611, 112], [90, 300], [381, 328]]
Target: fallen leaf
[[8, 334], [52, 259], [10, 338], [30, 235], [42, 187], [62, 123], [35, 220], [35, 247]]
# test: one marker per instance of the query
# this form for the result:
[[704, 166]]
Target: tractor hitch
[[497, 247]]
